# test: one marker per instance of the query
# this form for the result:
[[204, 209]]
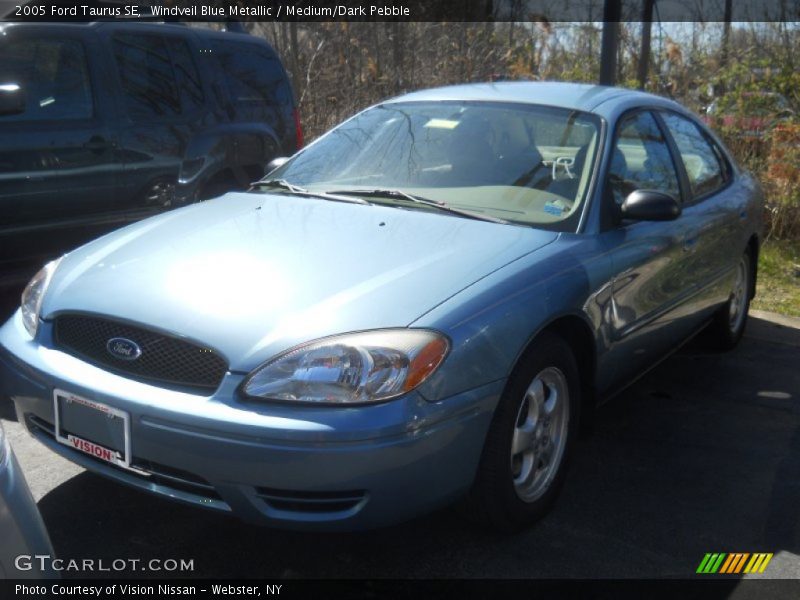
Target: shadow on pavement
[[9, 301], [7, 412]]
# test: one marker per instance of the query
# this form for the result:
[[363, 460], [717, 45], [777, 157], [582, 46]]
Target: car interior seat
[[471, 154], [568, 186]]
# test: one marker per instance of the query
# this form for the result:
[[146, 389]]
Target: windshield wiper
[[281, 183], [393, 193], [301, 191]]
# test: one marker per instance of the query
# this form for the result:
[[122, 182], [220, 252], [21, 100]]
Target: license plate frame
[[87, 446]]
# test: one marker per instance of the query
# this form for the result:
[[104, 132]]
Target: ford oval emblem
[[123, 348]]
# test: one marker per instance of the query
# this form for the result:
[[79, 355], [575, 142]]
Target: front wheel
[[529, 443], [728, 326]]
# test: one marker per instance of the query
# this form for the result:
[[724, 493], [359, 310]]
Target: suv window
[[189, 85], [701, 160], [148, 82], [54, 76], [641, 159], [255, 79]]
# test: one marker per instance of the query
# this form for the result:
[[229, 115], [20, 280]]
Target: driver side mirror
[[275, 163], [12, 99], [650, 205]]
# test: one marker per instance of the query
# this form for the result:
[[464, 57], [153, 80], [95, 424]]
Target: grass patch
[[778, 283]]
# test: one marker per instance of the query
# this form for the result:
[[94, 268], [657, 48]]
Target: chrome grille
[[164, 359]]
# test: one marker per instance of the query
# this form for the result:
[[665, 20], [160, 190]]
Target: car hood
[[253, 274]]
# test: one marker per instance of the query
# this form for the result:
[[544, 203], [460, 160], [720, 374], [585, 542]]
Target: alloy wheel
[[540, 434]]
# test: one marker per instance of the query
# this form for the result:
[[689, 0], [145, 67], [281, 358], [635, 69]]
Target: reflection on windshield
[[521, 163]]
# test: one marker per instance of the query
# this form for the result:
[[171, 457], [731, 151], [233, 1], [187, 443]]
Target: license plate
[[93, 428]]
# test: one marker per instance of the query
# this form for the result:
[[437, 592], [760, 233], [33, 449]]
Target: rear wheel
[[529, 443], [728, 326]]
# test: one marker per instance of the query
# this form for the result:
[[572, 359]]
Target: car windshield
[[518, 163]]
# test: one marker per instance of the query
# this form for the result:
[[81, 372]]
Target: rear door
[[713, 213], [58, 167]]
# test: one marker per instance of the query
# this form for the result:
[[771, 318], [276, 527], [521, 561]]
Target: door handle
[[97, 144]]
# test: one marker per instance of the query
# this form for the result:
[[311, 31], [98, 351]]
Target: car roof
[[144, 24], [574, 96]]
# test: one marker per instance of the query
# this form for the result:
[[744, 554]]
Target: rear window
[[700, 159], [149, 84], [187, 75], [255, 79]]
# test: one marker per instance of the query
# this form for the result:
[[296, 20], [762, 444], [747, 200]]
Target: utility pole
[[644, 55], [726, 32], [612, 11]]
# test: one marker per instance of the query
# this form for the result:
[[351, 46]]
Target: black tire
[[725, 330], [496, 498]]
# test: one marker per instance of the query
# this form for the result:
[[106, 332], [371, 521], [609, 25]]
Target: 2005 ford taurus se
[[422, 306]]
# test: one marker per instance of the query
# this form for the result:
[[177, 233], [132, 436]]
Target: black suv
[[106, 123]]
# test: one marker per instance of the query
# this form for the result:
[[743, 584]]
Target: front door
[[58, 166], [651, 281]]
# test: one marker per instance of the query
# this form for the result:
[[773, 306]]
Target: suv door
[[648, 257], [57, 162], [713, 214]]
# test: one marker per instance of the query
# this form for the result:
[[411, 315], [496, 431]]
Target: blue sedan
[[423, 306]]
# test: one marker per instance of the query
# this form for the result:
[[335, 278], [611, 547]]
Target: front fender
[[492, 322]]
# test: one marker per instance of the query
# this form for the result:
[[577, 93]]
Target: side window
[[641, 159], [701, 160], [54, 76], [189, 85], [148, 81], [255, 79]]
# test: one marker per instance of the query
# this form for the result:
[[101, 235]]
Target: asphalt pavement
[[700, 455]]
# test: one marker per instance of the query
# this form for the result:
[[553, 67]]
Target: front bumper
[[290, 466]]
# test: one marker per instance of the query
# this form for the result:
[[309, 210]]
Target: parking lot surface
[[700, 455]]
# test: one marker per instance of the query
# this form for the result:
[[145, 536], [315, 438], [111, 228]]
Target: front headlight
[[357, 368], [34, 293]]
